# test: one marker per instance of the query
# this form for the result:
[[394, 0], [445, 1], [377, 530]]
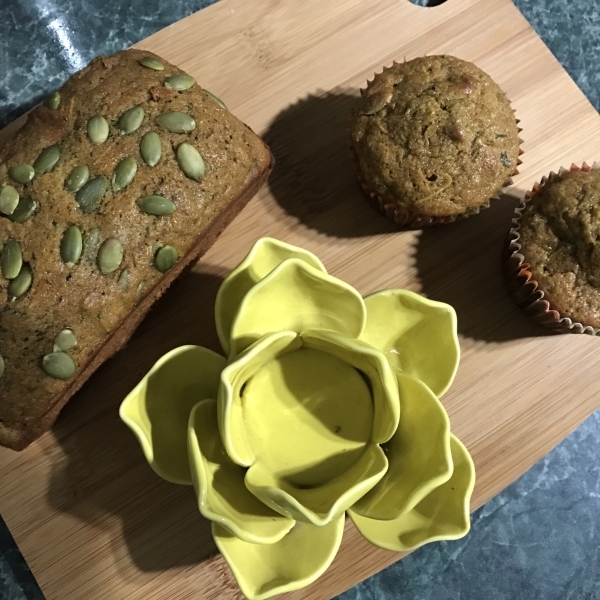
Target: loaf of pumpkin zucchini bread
[[114, 185]]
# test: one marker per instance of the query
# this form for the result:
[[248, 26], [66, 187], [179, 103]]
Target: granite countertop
[[537, 540]]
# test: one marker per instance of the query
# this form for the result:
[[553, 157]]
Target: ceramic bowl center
[[308, 416]]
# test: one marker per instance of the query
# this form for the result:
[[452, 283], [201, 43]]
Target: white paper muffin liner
[[519, 279]]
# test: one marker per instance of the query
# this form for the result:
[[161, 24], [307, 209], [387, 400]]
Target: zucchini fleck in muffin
[[433, 139], [554, 250]]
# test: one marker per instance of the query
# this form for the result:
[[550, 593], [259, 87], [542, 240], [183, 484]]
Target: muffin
[[553, 262], [433, 139]]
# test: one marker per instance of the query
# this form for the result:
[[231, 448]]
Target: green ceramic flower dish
[[325, 402]]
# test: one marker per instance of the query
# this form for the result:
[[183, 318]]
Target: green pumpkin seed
[[90, 195], [215, 99], [59, 365], [190, 161], [47, 160], [64, 341], [158, 206], [90, 245], [151, 63], [110, 256], [124, 174], [9, 199], [140, 288], [123, 281], [22, 173], [176, 122], [71, 246], [165, 258], [52, 101], [1, 365], [21, 283], [131, 120], [180, 82], [24, 210], [11, 259], [150, 148], [77, 178], [97, 129]]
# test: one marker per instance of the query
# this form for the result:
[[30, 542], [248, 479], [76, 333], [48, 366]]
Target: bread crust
[[19, 433]]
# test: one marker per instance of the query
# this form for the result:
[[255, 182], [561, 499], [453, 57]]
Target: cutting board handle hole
[[427, 3]]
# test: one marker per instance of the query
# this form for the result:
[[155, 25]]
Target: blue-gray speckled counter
[[537, 540]]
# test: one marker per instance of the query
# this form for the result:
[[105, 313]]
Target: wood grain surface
[[91, 518]]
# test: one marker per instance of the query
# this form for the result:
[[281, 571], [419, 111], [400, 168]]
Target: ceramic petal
[[321, 504], [233, 378], [158, 408], [442, 515], [418, 453], [297, 297], [264, 256], [300, 558], [417, 335], [219, 483], [375, 367]]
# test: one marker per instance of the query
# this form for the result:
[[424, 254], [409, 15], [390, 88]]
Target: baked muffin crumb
[[560, 240], [435, 135]]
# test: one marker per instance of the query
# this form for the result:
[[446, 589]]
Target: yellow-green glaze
[[300, 558], [417, 335], [158, 408], [418, 453], [264, 256], [325, 403], [219, 483], [321, 504], [233, 378], [310, 436], [443, 514], [297, 297], [373, 365]]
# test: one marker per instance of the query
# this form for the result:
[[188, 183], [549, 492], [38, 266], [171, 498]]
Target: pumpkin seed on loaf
[[115, 184]]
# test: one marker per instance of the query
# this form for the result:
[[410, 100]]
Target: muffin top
[[560, 231], [435, 135]]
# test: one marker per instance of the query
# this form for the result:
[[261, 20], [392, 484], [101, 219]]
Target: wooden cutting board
[[91, 518]]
